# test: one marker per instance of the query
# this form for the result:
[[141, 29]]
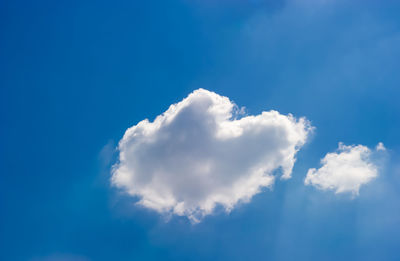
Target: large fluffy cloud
[[202, 152], [345, 170]]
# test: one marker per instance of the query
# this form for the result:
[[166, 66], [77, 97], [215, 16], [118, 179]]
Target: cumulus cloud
[[203, 152], [380, 147], [345, 170]]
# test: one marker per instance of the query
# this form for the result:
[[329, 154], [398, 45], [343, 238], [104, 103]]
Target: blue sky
[[74, 75]]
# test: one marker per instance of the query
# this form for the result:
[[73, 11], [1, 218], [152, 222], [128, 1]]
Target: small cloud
[[203, 152], [345, 170], [380, 147]]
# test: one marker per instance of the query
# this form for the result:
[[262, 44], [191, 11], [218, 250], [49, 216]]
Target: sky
[[272, 132]]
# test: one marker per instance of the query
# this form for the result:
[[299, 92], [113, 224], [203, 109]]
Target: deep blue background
[[75, 74]]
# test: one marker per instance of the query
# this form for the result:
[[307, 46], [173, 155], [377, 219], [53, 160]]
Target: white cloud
[[380, 147], [345, 170], [200, 153]]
